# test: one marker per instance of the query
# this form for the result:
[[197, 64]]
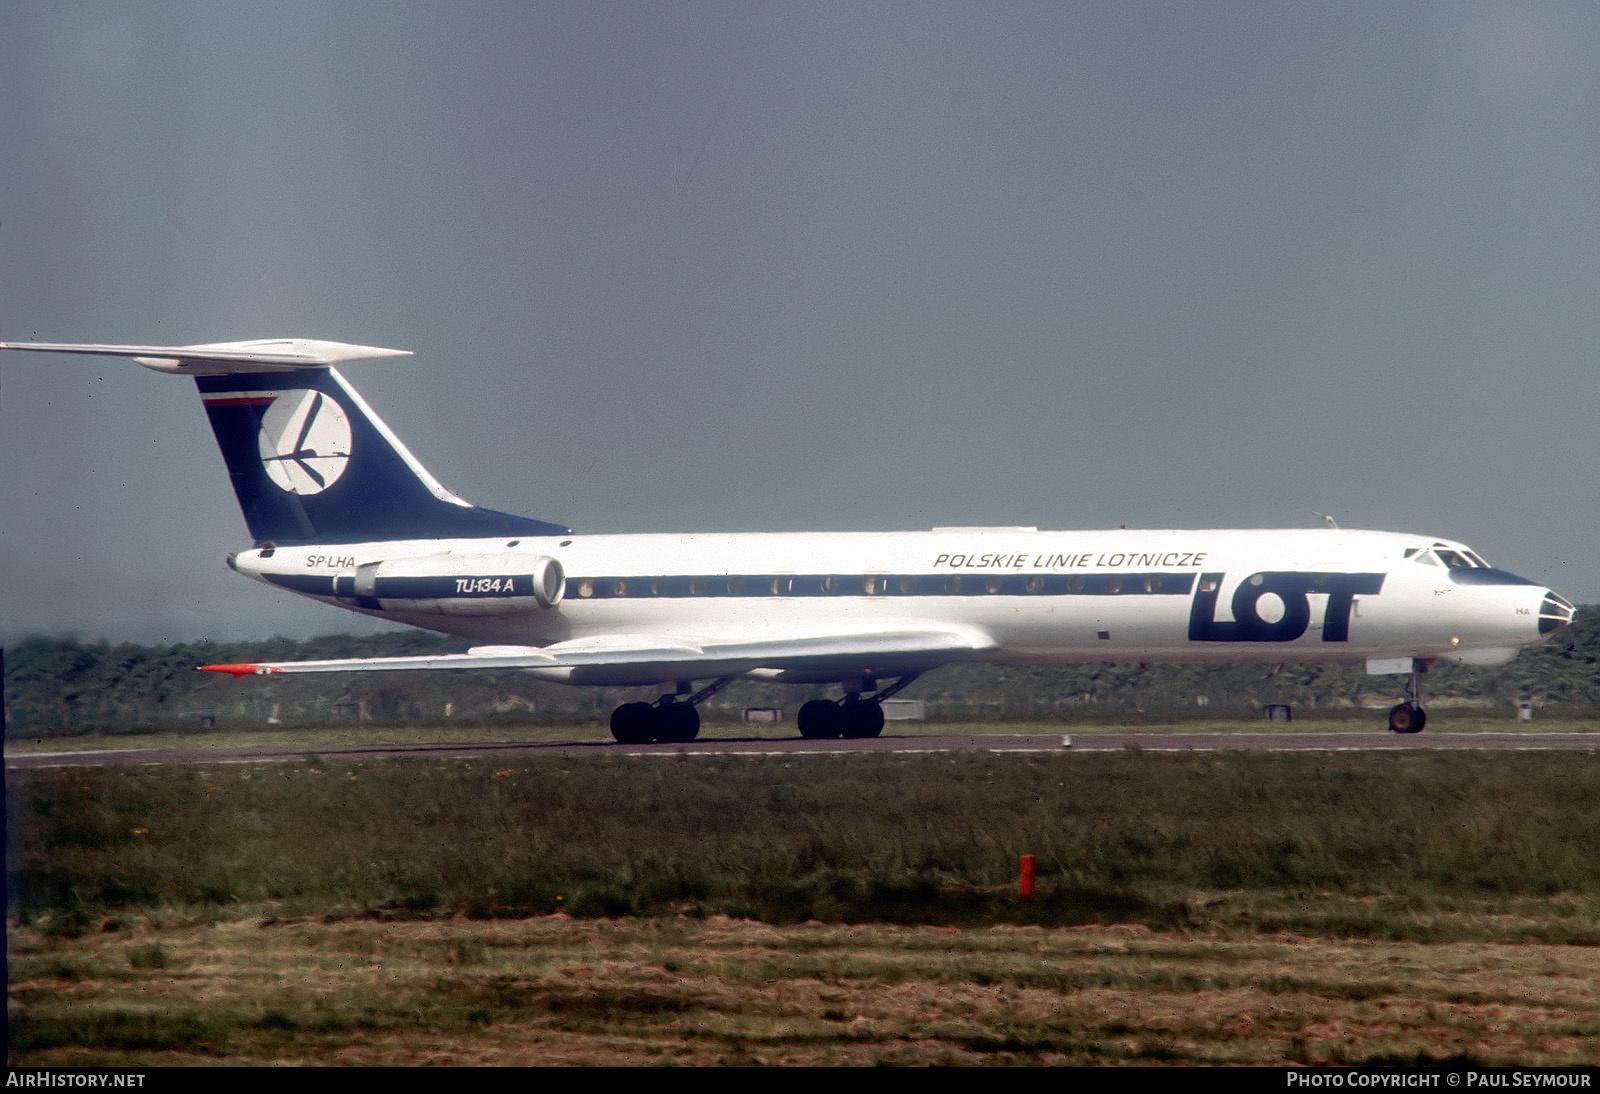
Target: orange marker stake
[[1027, 877]]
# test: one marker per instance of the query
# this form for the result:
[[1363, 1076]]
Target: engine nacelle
[[455, 584]]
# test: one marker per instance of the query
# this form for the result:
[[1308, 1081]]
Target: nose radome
[[1555, 612]]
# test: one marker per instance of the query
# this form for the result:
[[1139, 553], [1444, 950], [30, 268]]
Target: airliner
[[341, 512]]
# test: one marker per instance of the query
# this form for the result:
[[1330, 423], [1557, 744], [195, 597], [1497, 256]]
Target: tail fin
[[309, 460]]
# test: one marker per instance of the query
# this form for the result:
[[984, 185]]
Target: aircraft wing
[[624, 660]]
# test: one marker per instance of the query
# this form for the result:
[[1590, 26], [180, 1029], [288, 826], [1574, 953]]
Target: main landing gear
[[1409, 717], [856, 715], [669, 720]]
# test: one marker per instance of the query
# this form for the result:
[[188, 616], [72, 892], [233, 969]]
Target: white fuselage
[[1312, 595]]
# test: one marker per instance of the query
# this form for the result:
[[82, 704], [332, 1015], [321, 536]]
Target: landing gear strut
[[856, 715], [669, 719], [1409, 717]]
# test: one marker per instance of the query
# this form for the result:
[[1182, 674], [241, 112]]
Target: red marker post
[[1027, 877]]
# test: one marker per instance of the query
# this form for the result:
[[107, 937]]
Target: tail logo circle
[[305, 442]]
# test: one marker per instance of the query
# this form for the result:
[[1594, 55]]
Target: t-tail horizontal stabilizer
[[309, 460], [225, 358]]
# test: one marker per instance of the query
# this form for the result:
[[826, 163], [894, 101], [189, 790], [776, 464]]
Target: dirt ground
[[558, 990]]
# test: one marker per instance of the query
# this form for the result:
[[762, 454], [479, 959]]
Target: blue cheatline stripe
[[887, 585], [312, 584], [759, 586], [442, 588]]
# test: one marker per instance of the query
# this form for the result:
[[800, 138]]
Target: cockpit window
[[1442, 554]]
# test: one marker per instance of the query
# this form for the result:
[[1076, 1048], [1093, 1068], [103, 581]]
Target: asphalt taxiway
[[1376, 741]]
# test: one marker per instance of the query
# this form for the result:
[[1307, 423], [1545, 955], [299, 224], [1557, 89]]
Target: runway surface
[[1039, 742]]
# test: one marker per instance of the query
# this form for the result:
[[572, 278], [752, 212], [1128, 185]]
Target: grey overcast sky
[[744, 266]]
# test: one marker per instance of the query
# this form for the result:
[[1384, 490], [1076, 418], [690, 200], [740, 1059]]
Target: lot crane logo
[[305, 442]]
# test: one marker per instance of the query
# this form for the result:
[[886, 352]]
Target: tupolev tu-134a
[[341, 512]]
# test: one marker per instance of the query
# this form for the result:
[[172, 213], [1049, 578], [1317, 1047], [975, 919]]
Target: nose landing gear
[[1409, 717]]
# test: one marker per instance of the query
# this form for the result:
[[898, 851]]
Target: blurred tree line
[[57, 686]]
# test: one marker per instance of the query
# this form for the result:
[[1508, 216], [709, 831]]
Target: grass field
[[1220, 907]]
